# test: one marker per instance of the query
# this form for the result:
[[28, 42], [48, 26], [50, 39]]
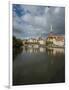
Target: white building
[[42, 41], [57, 40]]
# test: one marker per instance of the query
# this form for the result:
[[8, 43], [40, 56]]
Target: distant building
[[30, 41], [42, 41], [55, 40], [33, 41]]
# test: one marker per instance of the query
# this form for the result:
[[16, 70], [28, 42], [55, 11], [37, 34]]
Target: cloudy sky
[[31, 21]]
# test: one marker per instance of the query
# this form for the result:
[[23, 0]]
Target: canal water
[[38, 65]]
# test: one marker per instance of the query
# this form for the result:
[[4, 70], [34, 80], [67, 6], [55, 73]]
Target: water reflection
[[16, 51], [55, 51], [39, 65], [50, 51]]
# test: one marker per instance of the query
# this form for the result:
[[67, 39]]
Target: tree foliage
[[17, 46], [17, 43]]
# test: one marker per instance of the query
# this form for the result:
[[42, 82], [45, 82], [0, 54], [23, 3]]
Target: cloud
[[27, 18], [40, 21], [47, 10], [33, 9], [34, 21], [57, 10]]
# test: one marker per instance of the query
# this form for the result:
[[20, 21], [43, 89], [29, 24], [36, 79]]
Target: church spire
[[51, 28]]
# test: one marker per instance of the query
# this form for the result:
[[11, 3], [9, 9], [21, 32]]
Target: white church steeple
[[51, 28]]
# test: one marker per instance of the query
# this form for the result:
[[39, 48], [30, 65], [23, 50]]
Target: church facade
[[55, 39]]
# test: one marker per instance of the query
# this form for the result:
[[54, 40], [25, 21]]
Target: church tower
[[51, 30]]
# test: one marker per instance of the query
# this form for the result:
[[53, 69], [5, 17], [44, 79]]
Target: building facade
[[55, 40]]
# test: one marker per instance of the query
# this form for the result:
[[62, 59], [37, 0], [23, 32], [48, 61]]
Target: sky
[[32, 21]]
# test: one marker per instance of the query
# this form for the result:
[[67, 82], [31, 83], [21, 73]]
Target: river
[[38, 65]]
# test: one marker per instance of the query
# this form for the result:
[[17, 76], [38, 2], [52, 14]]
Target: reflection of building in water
[[41, 49], [55, 51], [50, 51], [58, 50], [34, 49], [35, 46]]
